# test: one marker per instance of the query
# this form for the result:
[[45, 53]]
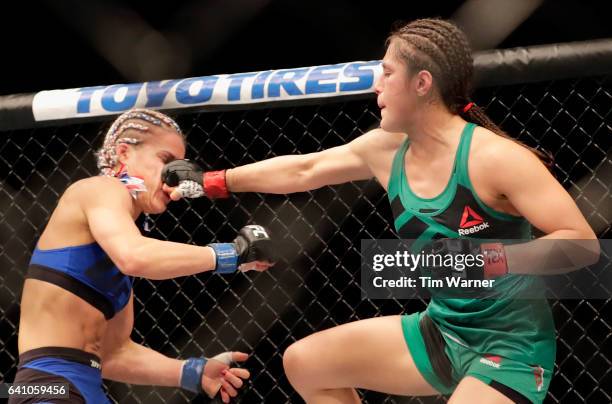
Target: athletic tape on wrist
[[215, 185], [191, 375], [495, 260], [226, 257]]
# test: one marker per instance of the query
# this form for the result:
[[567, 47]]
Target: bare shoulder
[[68, 224], [377, 140], [376, 148], [97, 189], [97, 181], [499, 166], [493, 152]]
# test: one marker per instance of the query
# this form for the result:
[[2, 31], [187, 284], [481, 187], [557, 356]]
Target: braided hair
[[116, 134], [441, 48]]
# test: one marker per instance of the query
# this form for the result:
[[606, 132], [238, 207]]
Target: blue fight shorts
[[80, 369]]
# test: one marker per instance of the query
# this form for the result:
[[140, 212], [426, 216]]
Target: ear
[[124, 151], [423, 83]]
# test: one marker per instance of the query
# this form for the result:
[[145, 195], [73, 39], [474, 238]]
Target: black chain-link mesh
[[315, 285]]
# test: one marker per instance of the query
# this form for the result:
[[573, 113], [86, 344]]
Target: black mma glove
[[193, 182], [252, 244]]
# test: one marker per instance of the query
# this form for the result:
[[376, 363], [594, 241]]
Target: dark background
[[53, 44], [66, 43]]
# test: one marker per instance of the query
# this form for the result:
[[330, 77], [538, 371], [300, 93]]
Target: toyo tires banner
[[241, 88]]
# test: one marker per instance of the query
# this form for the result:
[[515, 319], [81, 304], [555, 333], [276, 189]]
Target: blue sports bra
[[86, 271]]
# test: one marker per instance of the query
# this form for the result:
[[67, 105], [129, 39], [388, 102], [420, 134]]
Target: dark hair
[[442, 48]]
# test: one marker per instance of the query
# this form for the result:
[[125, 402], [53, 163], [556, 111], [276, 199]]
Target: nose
[[378, 85]]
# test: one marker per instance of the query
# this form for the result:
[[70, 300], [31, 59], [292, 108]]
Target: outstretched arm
[[280, 175], [299, 173]]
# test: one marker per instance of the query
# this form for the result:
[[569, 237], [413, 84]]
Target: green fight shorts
[[518, 381]]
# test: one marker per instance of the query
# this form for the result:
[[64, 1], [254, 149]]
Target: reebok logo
[[491, 360], [471, 222]]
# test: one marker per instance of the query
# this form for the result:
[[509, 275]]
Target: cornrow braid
[[448, 49], [107, 155], [442, 48]]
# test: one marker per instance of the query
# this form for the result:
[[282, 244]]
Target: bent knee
[[297, 362]]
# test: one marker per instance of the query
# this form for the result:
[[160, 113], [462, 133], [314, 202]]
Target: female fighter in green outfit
[[450, 172]]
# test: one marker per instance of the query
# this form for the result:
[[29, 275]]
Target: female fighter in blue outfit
[[77, 308]]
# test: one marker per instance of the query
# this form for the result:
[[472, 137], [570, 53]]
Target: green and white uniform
[[503, 340]]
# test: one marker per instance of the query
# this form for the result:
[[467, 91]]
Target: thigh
[[370, 354], [470, 390]]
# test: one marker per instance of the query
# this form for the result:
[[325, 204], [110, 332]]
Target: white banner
[[227, 89]]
